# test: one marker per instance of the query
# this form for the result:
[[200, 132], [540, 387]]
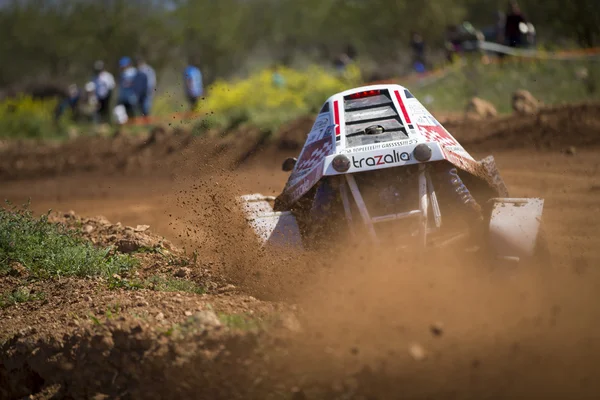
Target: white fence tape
[[533, 53]]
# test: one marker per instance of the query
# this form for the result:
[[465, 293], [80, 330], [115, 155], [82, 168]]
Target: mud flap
[[514, 227], [493, 175], [273, 228]]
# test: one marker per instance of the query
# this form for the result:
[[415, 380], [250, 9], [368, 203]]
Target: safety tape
[[540, 54]]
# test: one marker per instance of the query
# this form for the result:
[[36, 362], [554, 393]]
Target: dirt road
[[386, 325]]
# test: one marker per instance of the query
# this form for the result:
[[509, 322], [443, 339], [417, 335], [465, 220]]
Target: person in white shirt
[[104, 83]]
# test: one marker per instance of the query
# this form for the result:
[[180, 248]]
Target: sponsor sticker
[[377, 146], [319, 129], [420, 113], [425, 120], [322, 122], [393, 157], [458, 148]]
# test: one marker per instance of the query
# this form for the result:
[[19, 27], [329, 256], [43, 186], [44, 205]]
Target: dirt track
[[508, 333]]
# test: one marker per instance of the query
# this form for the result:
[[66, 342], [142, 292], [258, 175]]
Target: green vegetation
[[552, 82], [24, 117], [258, 100], [118, 282], [49, 250], [239, 321], [19, 295], [173, 285], [113, 310]]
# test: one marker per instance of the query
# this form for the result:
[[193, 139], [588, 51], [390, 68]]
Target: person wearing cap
[[128, 97], [193, 84], [104, 83], [147, 85]]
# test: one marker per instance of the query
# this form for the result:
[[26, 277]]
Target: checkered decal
[[438, 134], [313, 154], [461, 161], [309, 168], [441, 136]]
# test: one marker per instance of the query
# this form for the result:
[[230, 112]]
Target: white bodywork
[[328, 138], [339, 129], [272, 228], [514, 226]]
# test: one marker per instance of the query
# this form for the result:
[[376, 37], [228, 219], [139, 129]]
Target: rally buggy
[[378, 166]]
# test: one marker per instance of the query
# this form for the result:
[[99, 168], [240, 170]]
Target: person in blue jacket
[[193, 85], [147, 85], [130, 86]]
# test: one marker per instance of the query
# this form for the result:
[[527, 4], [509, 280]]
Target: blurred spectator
[[462, 39], [127, 86], [351, 52], [470, 37], [71, 101], [529, 33], [452, 41], [193, 84], [140, 88], [90, 103], [147, 95], [512, 27], [341, 61], [500, 23], [278, 79], [104, 83], [495, 32], [417, 45]]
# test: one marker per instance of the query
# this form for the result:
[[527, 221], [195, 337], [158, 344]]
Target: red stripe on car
[[406, 117], [336, 117]]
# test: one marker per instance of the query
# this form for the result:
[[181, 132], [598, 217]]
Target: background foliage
[[24, 117], [60, 39], [260, 100]]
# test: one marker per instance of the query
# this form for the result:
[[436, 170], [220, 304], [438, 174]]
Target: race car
[[378, 166]]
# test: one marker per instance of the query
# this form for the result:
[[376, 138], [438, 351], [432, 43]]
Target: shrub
[[260, 100], [24, 117]]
